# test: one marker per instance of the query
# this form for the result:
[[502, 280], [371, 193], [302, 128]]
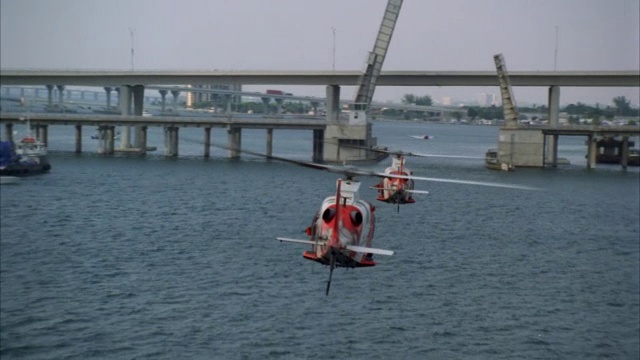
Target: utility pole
[[555, 56], [334, 48], [131, 33]]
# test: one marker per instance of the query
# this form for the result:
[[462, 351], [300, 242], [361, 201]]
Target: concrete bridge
[[132, 86], [232, 124]]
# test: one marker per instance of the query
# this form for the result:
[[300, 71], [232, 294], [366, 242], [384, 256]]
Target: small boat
[[492, 161], [422, 137], [26, 157]]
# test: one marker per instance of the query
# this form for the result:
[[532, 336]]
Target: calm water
[[130, 258]]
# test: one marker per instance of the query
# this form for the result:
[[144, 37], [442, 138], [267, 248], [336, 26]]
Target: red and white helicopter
[[397, 184], [342, 230]]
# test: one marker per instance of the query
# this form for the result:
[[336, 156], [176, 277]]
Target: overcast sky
[[298, 35]]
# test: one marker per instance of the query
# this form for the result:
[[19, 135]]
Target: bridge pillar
[[171, 141], [207, 142], [8, 131], [138, 108], [227, 99], [318, 146], [333, 103], [106, 140], [554, 111], [279, 102], [108, 90], [269, 142], [78, 139], [554, 151], [314, 106], [234, 142], [163, 95], [624, 160], [592, 151], [43, 133], [175, 94], [49, 96], [125, 109], [265, 104], [60, 97], [142, 140], [102, 139]]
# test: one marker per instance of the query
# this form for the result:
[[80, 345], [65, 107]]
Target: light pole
[[131, 33], [334, 48], [555, 55]]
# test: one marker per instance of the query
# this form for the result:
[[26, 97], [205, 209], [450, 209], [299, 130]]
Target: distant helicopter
[[397, 184]]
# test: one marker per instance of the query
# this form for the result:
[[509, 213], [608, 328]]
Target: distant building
[[195, 97], [485, 99], [447, 101]]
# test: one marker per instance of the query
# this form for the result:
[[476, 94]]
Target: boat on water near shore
[[492, 161], [26, 157]]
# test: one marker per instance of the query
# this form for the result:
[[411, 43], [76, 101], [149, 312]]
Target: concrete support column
[[279, 103], [142, 137], [318, 146], [227, 99], [108, 90], [207, 142], [110, 140], [49, 96], [124, 97], [78, 139], [592, 151], [102, 139], [138, 108], [265, 104], [333, 103], [8, 131], [60, 96], [171, 141], [314, 106], [554, 154], [163, 95], [43, 134], [117, 90], [554, 111], [234, 142], [624, 161], [269, 142], [174, 105]]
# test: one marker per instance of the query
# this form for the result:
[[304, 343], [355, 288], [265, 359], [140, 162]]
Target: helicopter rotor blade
[[408, 153], [472, 182]]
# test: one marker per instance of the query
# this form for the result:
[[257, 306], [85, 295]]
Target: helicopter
[[397, 186], [342, 230]]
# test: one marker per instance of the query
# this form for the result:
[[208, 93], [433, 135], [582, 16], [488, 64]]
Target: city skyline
[[457, 35]]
